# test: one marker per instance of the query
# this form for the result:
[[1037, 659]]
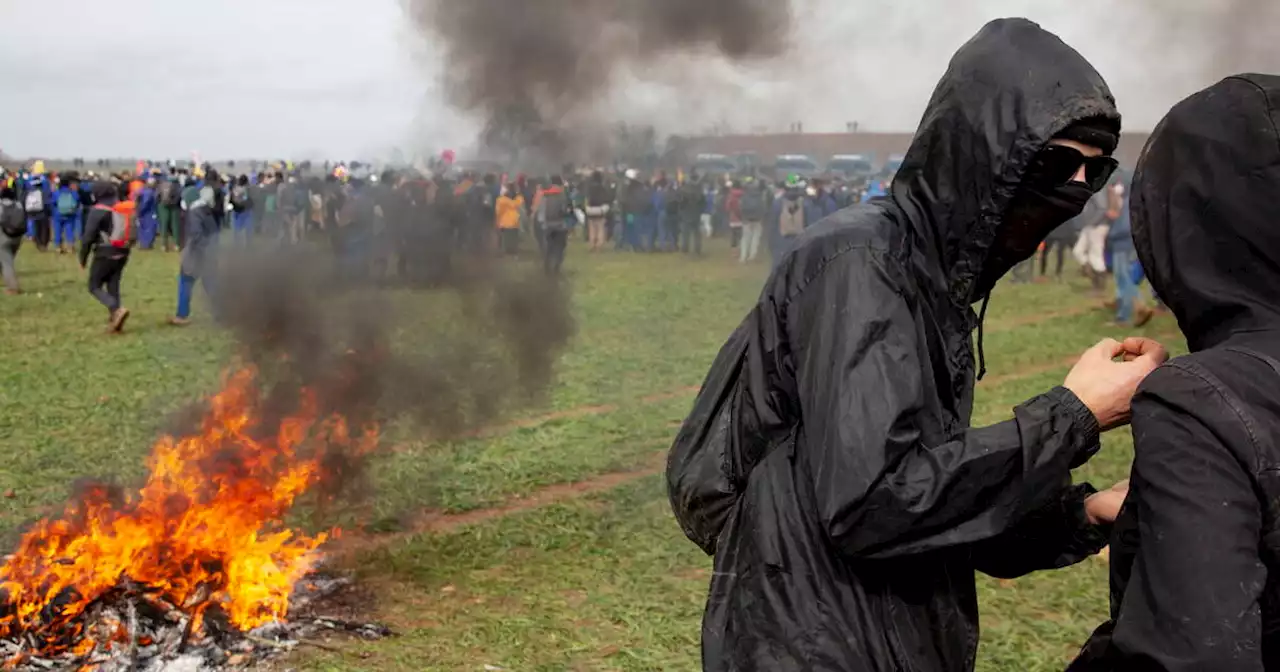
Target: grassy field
[[544, 543]]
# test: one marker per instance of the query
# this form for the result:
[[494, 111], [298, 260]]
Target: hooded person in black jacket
[[1195, 556], [828, 463]]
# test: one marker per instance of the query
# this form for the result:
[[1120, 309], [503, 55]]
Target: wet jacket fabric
[[828, 463], [1195, 559]]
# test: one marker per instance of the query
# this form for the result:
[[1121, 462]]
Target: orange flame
[[205, 530]]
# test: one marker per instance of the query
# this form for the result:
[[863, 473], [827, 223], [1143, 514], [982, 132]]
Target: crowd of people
[[394, 223]]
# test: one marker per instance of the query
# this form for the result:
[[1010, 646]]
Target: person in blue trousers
[[198, 255], [242, 210], [148, 214], [66, 216]]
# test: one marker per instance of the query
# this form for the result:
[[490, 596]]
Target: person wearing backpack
[[66, 214], [148, 201], [13, 225], [242, 210], [170, 211], [556, 218], [754, 210], [110, 232], [37, 204]]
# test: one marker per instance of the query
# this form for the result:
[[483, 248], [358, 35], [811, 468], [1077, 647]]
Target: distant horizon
[[331, 79]]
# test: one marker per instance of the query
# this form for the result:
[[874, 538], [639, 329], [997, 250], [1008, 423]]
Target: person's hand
[[1103, 507], [1107, 386]]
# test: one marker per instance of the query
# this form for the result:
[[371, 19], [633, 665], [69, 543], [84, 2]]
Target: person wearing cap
[[794, 212], [829, 463]]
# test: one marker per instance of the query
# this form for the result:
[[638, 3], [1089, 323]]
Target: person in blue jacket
[[822, 200], [148, 214], [67, 212]]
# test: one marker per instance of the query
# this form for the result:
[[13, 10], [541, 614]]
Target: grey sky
[[338, 78]]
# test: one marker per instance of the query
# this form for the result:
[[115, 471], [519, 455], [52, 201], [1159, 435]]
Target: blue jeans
[[242, 224], [1126, 290], [187, 286], [65, 230]]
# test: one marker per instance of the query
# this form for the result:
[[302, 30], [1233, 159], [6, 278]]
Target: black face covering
[[1035, 212]]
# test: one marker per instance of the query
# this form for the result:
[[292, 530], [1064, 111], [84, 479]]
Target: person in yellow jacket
[[509, 212]]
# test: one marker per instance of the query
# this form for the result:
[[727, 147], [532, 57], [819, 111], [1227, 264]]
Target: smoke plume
[[534, 73], [447, 340]]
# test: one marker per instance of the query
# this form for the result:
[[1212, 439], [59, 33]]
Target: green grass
[[603, 581]]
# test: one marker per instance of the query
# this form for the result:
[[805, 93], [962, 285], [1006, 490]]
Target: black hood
[[1006, 93], [1206, 210]]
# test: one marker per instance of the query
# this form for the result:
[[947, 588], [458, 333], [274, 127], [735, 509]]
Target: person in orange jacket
[[508, 213]]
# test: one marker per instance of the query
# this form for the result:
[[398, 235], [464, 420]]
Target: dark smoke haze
[[534, 72], [481, 339]]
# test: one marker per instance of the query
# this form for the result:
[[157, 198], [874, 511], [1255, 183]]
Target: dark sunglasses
[[1057, 164]]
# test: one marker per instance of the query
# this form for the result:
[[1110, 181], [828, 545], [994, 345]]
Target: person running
[[829, 464], [13, 226], [1195, 554], [109, 233]]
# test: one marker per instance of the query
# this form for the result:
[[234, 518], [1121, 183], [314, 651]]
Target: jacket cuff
[[1087, 538], [1082, 420]]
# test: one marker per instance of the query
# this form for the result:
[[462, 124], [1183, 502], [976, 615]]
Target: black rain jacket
[[828, 462], [1195, 556]]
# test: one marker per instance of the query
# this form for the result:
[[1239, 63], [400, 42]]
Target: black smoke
[[377, 345], [534, 71]]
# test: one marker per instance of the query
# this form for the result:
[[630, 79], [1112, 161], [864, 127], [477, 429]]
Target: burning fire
[[204, 534]]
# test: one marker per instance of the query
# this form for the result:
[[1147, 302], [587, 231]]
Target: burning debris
[[198, 569]]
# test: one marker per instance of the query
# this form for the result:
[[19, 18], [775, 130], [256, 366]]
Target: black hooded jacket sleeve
[[881, 491]]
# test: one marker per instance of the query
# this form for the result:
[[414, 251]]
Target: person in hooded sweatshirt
[[198, 254], [1195, 555], [828, 463]]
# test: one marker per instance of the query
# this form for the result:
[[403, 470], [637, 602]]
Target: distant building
[[822, 146]]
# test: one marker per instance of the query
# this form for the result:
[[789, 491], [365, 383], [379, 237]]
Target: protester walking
[[109, 234], [1123, 262], [36, 203], [829, 463], [13, 226], [198, 255], [555, 215], [66, 216]]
